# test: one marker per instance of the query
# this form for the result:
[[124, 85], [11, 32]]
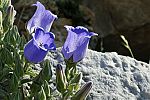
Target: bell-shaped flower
[[36, 49], [42, 18], [76, 43]]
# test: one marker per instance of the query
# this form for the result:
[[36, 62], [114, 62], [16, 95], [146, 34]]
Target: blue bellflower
[[36, 49], [42, 40], [76, 43], [41, 18]]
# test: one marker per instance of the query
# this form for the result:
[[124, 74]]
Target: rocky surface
[[119, 15], [114, 77], [128, 17]]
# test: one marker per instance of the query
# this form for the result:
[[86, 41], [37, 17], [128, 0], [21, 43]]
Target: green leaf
[[71, 87], [19, 41], [14, 83], [7, 56], [70, 70], [3, 93], [4, 73], [46, 71], [9, 37], [16, 96], [19, 71], [4, 4], [9, 47], [42, 95], [77, 78], [35, 88], [47, 89]]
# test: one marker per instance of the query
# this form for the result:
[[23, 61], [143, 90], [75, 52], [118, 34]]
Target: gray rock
[[114, 77], [130, 18], [123, 15]]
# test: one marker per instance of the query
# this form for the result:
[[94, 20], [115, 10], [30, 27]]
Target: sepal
[[83, 92]]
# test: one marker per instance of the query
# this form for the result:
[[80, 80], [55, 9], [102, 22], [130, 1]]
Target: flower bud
[[1, 23], [9, 19], [11, 14], [83, 92], [61, 82]]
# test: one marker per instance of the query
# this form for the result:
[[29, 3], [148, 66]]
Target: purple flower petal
[[36, 49], [65, 52], [80, 52], [71, 41], [79, 29], [33, 53], [44, 40], [76, 43], [41, 18]]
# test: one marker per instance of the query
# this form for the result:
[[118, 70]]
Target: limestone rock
[[119, 15], [130, 18], [114, 77]]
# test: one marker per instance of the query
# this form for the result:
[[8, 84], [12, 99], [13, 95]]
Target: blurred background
[[108, 18]]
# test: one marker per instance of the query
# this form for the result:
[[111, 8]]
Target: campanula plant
[[11, 56], [76, 43], [42, 40], [75, 47], [74, 50], [19, 80]]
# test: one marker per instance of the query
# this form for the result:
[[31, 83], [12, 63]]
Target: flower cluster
[[18, 77], [42, 40], [73, 50]]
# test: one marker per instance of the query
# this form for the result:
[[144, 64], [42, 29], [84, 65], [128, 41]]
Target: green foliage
[[19, 80], [11, 59], [4, 5], [69, 86]]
